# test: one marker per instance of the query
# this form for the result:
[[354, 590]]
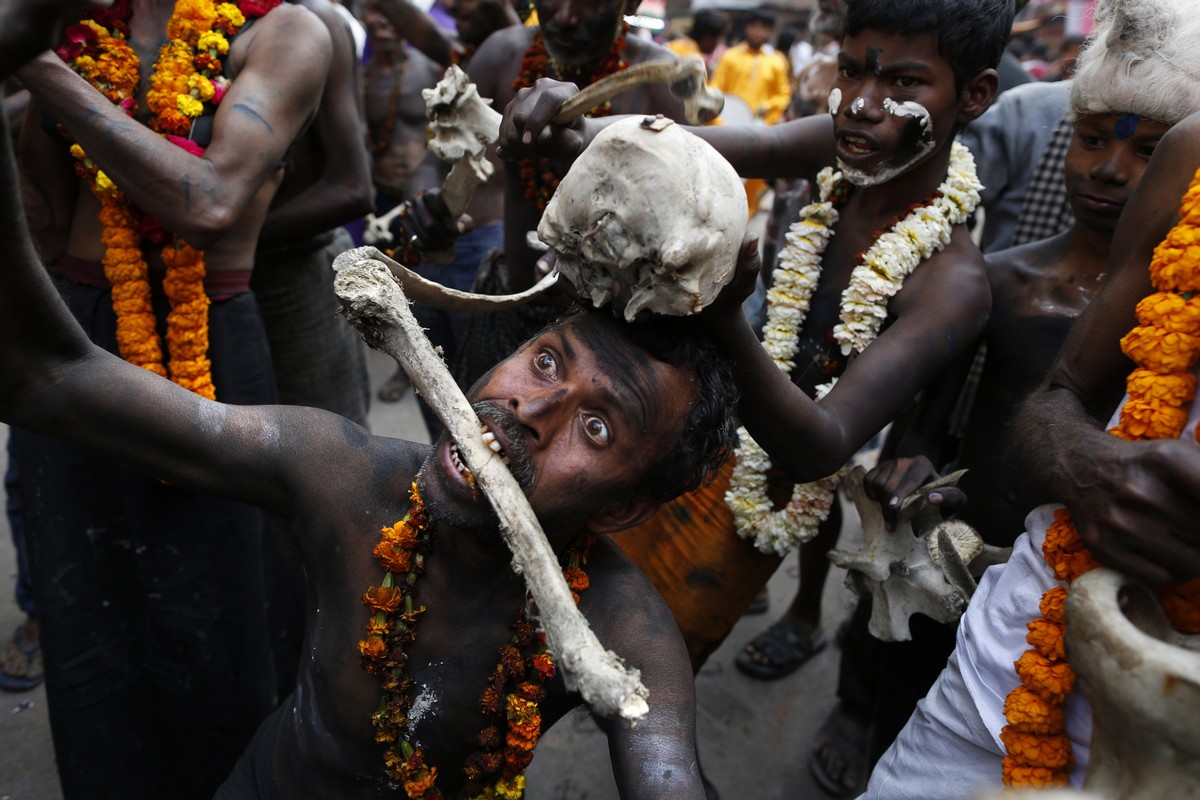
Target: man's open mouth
[[490, 440]]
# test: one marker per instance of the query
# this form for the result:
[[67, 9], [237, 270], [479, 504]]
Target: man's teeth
[[489, 439]]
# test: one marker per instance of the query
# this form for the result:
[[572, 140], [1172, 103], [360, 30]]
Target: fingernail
[[544, 135], [935, 497], [526, 138], [894, 502]]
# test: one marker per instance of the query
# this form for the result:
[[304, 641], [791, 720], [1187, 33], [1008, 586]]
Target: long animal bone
[[924, 564], [463, 126], [375, 304], [687, 78], [436, 295]]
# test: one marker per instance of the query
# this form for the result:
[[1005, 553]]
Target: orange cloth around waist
[[707, 573]]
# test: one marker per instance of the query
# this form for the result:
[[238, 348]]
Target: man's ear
[[626, 515], [977, 95]]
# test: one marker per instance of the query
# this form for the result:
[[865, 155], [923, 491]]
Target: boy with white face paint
[[910, 75]]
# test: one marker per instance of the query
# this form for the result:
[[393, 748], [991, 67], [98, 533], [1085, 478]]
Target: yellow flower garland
[[1166, 347], [184, 80]]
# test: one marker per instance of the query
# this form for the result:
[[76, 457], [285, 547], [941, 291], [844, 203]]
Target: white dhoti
[[951, 746]]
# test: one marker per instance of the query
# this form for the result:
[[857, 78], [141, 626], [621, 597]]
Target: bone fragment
[[436, 295], [463, 126], [687, 78], [897, 568], [374, 302]]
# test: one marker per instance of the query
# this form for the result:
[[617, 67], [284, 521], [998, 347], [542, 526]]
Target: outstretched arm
[[799, 148], [1135, 503], [260, 116], [53, 380]]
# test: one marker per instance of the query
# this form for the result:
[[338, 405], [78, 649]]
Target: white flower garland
[[885, 265]]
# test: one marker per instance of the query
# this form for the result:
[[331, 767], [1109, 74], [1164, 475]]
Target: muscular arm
[[655, 759], [263, 112], [1135, 503], [938, 314], [343, 192]]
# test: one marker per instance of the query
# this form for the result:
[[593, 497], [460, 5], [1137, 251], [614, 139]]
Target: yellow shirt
[[761, 79], [684, 46]]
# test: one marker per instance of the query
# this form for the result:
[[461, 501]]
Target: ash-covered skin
[[915, 145], [858, 105], [835, 101]]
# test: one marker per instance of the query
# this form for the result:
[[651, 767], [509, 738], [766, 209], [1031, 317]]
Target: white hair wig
[[1143, 59]]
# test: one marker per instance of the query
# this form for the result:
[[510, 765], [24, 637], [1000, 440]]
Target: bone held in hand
[[374, 302], [686, 77]]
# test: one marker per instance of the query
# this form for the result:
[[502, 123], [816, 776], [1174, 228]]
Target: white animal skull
[[653, 209], [923, 565]]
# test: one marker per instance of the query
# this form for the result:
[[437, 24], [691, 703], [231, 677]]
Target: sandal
[[779, 651], [837, 759], [21, 669], [394, 388], [759, 605]]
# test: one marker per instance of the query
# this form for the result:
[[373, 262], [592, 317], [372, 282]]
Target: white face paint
[[898, 165], [858, 105], [835, 101]]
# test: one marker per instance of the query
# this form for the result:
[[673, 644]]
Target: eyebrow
[[619, 372], [890, 69]]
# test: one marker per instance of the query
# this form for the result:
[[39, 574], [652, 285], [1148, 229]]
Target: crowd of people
[[233, 589]]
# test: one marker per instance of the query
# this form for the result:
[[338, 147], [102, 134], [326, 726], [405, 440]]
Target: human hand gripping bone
[[374, 302], [463, 125]]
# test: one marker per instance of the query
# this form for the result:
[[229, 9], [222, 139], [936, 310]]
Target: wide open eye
[[545, 363], [597, 429]]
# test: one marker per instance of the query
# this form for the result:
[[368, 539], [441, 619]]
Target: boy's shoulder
[[953, 277]]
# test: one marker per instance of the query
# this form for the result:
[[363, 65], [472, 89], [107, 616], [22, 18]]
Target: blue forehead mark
[[1126, 126]]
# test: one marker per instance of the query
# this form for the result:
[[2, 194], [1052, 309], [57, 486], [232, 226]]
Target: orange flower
[[1031, 749], [1161, 350], [393, 557], [373, 647], [1029, 713], [1177, 388], [1052, 680], [576, 578], [1019, 776], [1047, 638], [1170, 311], [544, 664], [420, 783], [1143, 419], [1053, 603], [383, 598]]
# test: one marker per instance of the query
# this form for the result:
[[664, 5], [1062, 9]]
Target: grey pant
[[320, 361]]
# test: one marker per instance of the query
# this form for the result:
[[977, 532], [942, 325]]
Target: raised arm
[[418, 28], [343, 192], [263, 112], [935, 317], [1135, 503], [799, 148]]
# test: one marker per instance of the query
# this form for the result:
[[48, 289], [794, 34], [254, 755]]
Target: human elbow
[[204, 228]]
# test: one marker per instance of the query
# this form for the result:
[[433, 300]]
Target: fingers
[[527, 130]]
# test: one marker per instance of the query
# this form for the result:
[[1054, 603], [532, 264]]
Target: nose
[[1115, 169], [567, 14], [867, 106], [540, 412]]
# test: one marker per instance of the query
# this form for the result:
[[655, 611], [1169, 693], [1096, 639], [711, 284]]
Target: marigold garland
[[1165, 345], [185, 81], [510, 699], [878, 276], [538, 178]]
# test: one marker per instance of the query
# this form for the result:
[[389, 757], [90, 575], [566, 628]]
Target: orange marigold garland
[[538, 178], [510, 699], [185, 82], [1165, 345]]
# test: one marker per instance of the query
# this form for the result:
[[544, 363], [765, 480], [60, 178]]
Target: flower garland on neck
[[878, 276], [1165, 345], [538, 178], [510, 699], [186, 81]]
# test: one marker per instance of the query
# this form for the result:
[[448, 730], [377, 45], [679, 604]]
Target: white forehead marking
[[835, 101]]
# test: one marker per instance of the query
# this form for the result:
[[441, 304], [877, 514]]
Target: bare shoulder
[[498, 60], [289, 28], [638, 50], [1025, 261], [951, 282], [622, 605]]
